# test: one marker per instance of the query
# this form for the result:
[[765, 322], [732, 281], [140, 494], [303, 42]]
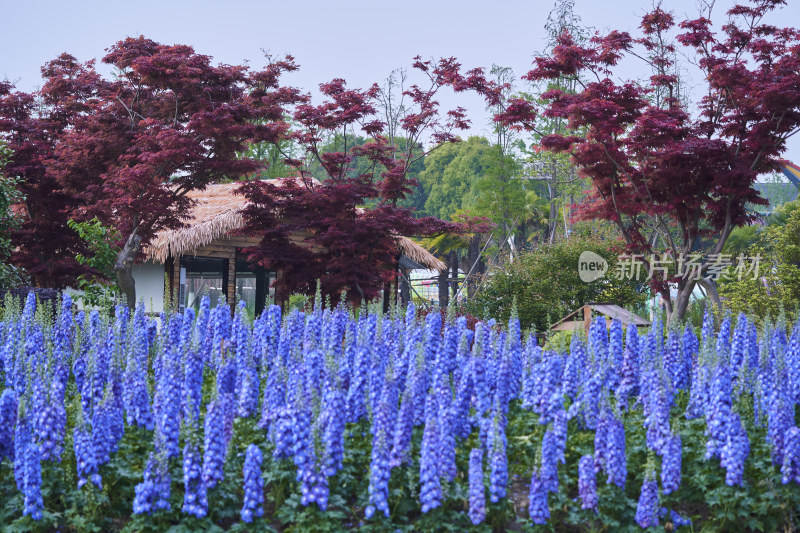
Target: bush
[[777, 286], [546, 285]]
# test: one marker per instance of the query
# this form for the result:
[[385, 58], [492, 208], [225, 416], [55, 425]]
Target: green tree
[[546, 285], [10, 276], [99, 287], [776, 285], [450, 174]]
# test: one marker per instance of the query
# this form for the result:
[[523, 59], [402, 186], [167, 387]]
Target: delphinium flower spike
[[380, 471], [33, 482], [538, 509], [647, 508], [477, 491], [430, 490], [215, 445], [253, 505], [587, 486], [8, 421]]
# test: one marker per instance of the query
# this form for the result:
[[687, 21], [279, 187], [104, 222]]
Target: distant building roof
[[611, 311]]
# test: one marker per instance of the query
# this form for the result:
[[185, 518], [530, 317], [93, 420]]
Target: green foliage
[[450, 174], [777, 286], [546, 284], [298, 301], [10, 276], [99, 288]]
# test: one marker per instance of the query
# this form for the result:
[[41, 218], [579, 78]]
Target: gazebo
[[582, 317]]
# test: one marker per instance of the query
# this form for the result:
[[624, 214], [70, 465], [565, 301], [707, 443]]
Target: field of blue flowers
[[324, 421]]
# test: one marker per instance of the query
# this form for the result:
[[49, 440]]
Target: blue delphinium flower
[[8, 421], [718, 412], [85, 457], [698, 393], [678, 520], [588, 400], [724, 341], [587, 485], [283, 432], [357, 393], [33, 482], [459, 407], [549, 469], [215, 445], [477, 491], [304, 455], [560, 434], [22, 439], [739, 346], [166, 405], [153, 493], [601, 440], [538, 508], [379, 469], [247, 380], [734, 451], [401, 441], [616, 462], [333, 433], [193, 384], [671, 465], [195, 501], [431, 489], [51, 422], [253, 485], [790, 469], [647, 508], [447, 437], [498, 475], [104, 441]]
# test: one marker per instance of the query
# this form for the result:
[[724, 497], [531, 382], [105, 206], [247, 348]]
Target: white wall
[[149, 278]]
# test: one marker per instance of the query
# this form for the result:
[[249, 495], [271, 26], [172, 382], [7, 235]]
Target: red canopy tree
[[662, 173], [168, 123], [32, 125], [352, 219]]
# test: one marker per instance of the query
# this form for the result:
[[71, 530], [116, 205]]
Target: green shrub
[[546, 284]]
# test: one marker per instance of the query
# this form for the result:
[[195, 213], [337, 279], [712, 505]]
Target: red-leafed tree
[[128, 150], [351, 219], [676, 181], [32, 125]]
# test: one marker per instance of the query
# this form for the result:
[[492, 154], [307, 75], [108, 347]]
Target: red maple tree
[[677, 182], [129, 149], [351, 219]]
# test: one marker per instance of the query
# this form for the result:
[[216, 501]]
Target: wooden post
[[587, 319], [230, 287]]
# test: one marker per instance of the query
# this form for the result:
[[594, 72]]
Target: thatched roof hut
[[217, 214], [206, 247]]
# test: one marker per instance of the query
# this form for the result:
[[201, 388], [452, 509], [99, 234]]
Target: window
[[203, 276]]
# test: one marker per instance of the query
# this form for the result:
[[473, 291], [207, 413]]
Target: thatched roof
[[217, 213]]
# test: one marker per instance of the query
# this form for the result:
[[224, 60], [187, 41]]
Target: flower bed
[[324, 422]]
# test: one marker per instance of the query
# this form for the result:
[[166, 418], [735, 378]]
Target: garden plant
[[336, 420]]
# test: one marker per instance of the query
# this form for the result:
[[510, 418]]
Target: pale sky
[[358, 40]]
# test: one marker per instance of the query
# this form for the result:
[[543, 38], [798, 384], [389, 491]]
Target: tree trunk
[[124, 266], [553, 216], [711, 288], [453, 272], [685, 289], [405, 290], [444, 289], [473, 253]]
